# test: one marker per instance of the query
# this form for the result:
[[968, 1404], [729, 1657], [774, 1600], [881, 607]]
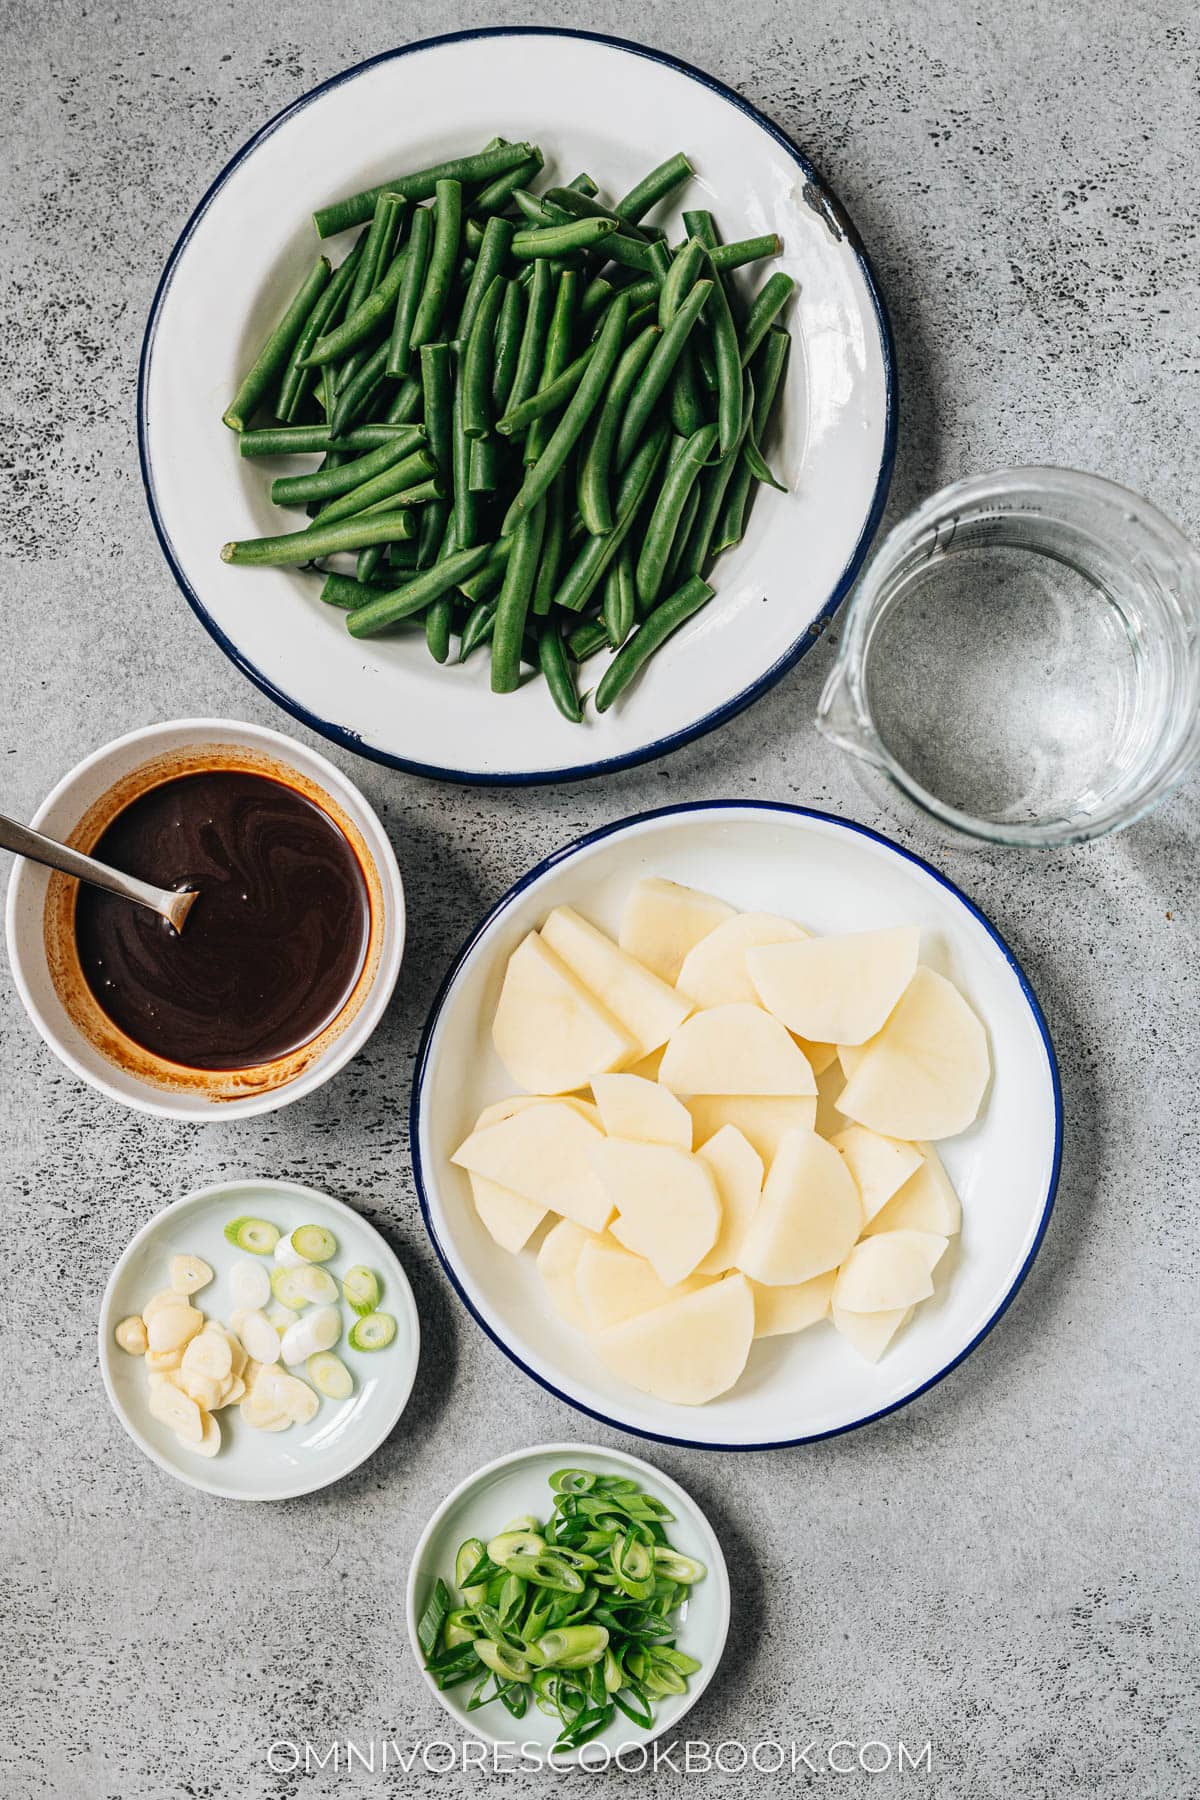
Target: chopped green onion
[[375, 1332], [254, 1235], [360, 1285]]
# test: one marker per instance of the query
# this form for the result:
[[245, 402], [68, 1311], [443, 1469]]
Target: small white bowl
[[83, 790], [519, 1483], [259, 1465]]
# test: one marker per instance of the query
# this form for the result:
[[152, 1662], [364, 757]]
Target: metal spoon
[[170, 905]]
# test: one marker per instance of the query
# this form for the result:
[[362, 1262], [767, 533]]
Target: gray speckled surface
[[1006, 1567]]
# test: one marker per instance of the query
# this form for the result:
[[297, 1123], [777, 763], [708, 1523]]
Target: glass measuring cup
[[1021, 658]]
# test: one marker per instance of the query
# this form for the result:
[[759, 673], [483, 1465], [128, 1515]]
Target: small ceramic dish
[[833, 876], [260, 1465], [40, 916], [519, 1483], [250, 242]]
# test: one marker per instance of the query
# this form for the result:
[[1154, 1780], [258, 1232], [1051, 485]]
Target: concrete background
[[1006, 1567]]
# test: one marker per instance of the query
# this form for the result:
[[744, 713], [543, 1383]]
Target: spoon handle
[[25, 842]]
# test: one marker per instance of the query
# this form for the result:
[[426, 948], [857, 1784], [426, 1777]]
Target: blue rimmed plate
[[832, 875], [244, 251]]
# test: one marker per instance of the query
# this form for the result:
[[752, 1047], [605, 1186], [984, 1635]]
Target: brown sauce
[[274, 944]]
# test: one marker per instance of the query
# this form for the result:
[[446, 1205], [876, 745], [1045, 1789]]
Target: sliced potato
[[779, 1311], [188, 1274], [880, 1165], [668, 1207], [648, 1008], [542, 1154], [737, 1169], [614, 1285], [510, 1218], [689, 1350], [836, 990], [925, 1073], [662, 921], [173, 1326], [557, 1261], [131, 1333], [714, 970], [926, 1202], [504, 1109], [889, 1272], [870, 1333], [174, 1408], [762, 1119], [736, 1049], [550, 1033], [645, 1111], [850, 1055], [648, 1066], [819, 1057], [809, 1216]]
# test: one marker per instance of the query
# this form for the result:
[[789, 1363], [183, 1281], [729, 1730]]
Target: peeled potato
[[689, 1350], [870, 1333], [662, 921], [633, 1107], [888, 1272], [668, 1207], [809, 1216], [647, 1008], [779, 1311], [542, 1154], [736, 1049], [879, 1165], [714, 970], [550, 1032], [614, 1285], [504, 1109], [763, 1119], [926, 1202], [557, 1261], [737, 1170], [819, 1057], [648, 1066], [510, 1218], [850, 1055], [836, 990], [924, 1074]]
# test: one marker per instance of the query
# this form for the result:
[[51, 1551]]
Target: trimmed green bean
[[303, 440], [554, 538], [771, 297], [700, 224], [552, 660], [508, 345], [327, 484], [655, 375], [653, 187], [619, 607], [487, 578], [466, 521], [344, 591], [727, 356], [359, 390], [367, 562], [516, 591], [660, 532], [595, 469], [562, 240], [376, 257], [714, 483], [584, 206], [534, 208], [297, 376], [438, 622], [478, 361], [481, 621], [498, 194], [649, 636], [586, 639], [680, 279], [727, 257], [768, 375], [273, 357], [296, 547], [557, 356], [683, 531], [484, 465], [443, 259], [392, 481], [406, 405], [548, 399], [532, 354], [596, 296], [420, 494], [437, 389], [585, 573], [429, 585], [497, 237], [355, 209], [412, 286], [578, 411]]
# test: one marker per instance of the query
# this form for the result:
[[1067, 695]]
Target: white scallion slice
[[316, 1284], [361, 1288], [317, 1330], [286, 1289], [375, 1332], [329, 1375], [255, 1235], [314, 1243]]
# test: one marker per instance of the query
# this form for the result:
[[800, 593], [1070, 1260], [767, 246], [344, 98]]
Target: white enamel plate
[[592, 103], [832, 876]]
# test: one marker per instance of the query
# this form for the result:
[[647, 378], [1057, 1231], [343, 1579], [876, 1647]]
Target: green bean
[[549, 399], [562, 240], [466, 522], [595, 469], [343, 591], [768, 374], [368, 561], [713, 487], [402, 556], [552, 661], [377, 249], [731, 521], [619, 607], [437, 390], [583, 206], [683, 531], [653, 187], [554, 538], [534, 208], [327, 484], [660, 532], [394, 478], [650, 634], [596, 296], [481, 622], [429, 585], [680, 279], [408, 297], [490, 573], [579, 409], [727, 355], [516, 591], [497, 237], [700, 225], [301, 440], [508, 345], [533, 338], [420, 184], [438, 621], [727, 257], [273, 356], [557, 356], [657, 372], [447, 229], [498, 193], [478, 362], [586, 639], [773, 295], [359, 391], [406, 405], [585, 573], [297, 377], [297, 547], [484, 465], [629, 253]]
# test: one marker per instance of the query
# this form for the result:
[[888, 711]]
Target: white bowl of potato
[[628, 1144]]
